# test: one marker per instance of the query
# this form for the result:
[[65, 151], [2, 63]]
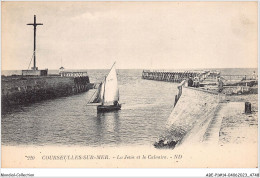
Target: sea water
[[69, 121]]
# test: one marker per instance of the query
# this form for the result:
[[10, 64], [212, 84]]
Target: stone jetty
[[21, 89], [207, 113], [36, 85]]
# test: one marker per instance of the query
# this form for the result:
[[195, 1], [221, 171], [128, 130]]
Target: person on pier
[[190, 82], [254, 76], [196, 82], [220, 85]]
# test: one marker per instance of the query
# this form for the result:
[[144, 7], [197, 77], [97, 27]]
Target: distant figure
[[254, 77], [220, 85], [196, 82], [244, 78], [190, 82]]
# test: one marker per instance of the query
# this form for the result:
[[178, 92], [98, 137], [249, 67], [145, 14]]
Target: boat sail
[[107, 94], [98, 95]]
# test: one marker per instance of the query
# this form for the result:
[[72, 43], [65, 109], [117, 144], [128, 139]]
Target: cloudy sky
[[91, 35]]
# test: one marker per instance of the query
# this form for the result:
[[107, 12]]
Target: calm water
[[68, 121]]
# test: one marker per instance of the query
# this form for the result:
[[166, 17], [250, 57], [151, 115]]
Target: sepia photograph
[[129, 84]]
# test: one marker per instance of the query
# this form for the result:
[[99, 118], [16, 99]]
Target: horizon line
[[146, 68]]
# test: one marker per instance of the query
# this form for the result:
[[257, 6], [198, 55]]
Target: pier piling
[[173, 76]]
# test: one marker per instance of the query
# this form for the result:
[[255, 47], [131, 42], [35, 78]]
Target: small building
[[61, 69]]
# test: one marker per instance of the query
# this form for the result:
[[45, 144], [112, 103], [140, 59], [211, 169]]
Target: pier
[[203, 76], [177, 76], [210, 81], [36, 85], [30, 89]]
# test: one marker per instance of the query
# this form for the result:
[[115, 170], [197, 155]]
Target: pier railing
[[175, 76], [239, 77], [178, 76], [207, 81], [177, 97], [74, 74]]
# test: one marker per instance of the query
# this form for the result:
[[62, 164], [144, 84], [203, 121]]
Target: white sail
[[101, 95], [98, 95], [111, 92]]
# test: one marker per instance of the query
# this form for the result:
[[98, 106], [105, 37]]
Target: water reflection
[[108, 126]]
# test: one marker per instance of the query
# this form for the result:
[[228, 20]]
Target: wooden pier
[[177, 76]]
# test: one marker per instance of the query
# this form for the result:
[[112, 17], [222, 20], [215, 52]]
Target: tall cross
[[34, 44]]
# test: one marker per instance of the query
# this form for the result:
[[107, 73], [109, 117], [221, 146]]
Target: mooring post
[[247, 107]]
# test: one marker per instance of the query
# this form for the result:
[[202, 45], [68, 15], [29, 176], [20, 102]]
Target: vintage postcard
[[129, 85]]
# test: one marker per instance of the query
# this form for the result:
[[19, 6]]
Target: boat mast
[[104, 90], [112, 66]]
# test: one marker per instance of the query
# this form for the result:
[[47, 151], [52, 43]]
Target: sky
[[143, 35]]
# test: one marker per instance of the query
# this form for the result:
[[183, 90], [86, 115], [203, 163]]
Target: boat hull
[[103, 108]]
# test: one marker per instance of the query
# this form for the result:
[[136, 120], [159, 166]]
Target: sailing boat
[[107, 95]]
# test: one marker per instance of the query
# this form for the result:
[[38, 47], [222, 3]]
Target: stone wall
[[20, 90]]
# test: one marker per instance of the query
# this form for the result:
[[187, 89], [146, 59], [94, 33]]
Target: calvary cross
[[34, 45]]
